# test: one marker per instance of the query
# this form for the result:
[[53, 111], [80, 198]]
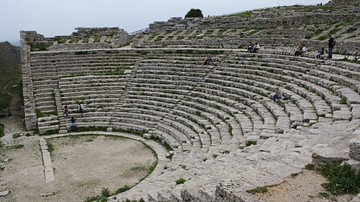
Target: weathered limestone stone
[[47, 194], [356, 199], [147, 136], [354, 164], [354, 146], [4, 193], [328, 155]]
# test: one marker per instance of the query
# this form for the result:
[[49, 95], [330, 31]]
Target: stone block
[[354, 147], [4, 193], [147, 136], [328, 155]]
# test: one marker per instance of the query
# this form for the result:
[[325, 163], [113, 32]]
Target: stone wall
[[29, 100], [237, 22], [83, 38], [343, 2]]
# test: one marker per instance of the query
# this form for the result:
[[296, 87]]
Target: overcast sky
[[60, 17]]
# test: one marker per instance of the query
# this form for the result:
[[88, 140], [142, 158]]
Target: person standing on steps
[[331, 44], [73, 125], [81, 107], [66, 111]]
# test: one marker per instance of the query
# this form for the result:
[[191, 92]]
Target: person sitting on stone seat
[[256, 48], [277, 96], [320, 53], [208, 61], [250, 47], [298, 51], [302, 50]]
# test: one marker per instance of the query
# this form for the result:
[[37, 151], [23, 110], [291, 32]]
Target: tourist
[[303, 49], [277, 96], [208, 61], [331, 45], [66, 111], [250, 47], [81, 108], [298, 51], [256, 48], [320, 53], [73, 125]]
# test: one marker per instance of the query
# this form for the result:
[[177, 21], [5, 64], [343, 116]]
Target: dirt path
[[82, 166], [305, 186]]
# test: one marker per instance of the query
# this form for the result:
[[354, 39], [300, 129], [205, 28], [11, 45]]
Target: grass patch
[[249, 143], [258, 190], [334, 31], [180, 181], [122, 189], [50, 147], [350, 30], [105, 193], [343, 100], [321, 38], [294, 174], [310, 167], [16, 135], [342, 179]]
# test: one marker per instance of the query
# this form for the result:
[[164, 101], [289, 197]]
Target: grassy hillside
[[10, 72]]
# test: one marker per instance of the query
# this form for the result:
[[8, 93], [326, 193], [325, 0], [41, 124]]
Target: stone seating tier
[[205, 111]]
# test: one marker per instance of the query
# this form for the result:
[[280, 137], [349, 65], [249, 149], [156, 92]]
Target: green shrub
[[258, 190], [16, 135], [193, 13], [249, 143], [321, 38], [343, 100], [180, 181], [50, 147], [105, 193], [122, 189], [309, 167], [342, 179]]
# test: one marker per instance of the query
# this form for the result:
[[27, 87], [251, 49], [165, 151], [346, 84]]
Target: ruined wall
[[83, 38], [241, 22], [29, 100]]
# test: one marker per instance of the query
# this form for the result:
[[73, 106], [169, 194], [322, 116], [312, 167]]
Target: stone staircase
[[60, 111]]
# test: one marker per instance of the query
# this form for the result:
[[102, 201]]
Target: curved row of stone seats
[[148, 107], [163, 79], [341, 81], [330, 85], [248, 79], [178, 108], [99, 93], [274, 71]]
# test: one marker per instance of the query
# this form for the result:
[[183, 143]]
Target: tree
[[194, 13]]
